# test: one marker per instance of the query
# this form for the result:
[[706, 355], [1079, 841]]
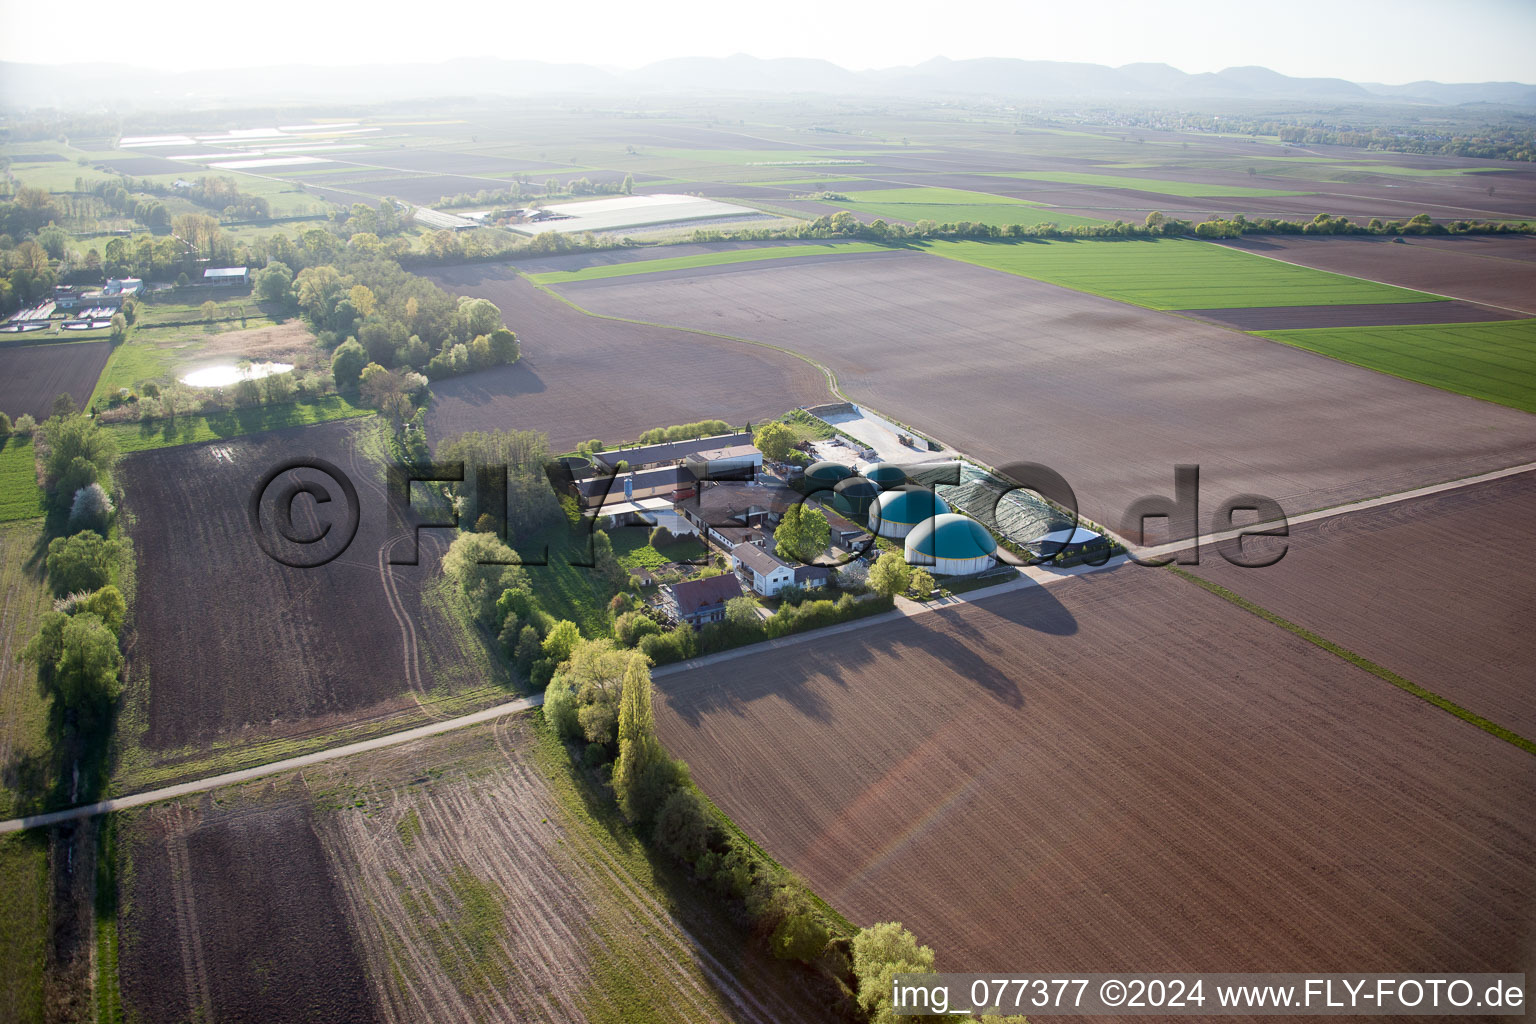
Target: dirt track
[[1121, 771], [1111, 396], [583, 377]]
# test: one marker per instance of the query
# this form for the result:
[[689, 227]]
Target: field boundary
[[1492, 305], [124, 803], [1429, 696]]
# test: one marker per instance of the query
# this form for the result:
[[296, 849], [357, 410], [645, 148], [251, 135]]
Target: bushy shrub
[[542, 672], [799, 936], [24, 424], [633, 627], [91, 510], [527, 650], [661, 536], [81, 562], [679, 644], [594, 755], [480, 565], [682, 826]]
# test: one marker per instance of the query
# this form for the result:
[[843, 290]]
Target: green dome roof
[[951, 536], [827, 473], [887, 475], [908, 506]]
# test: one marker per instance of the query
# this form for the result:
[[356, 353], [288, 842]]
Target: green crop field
[[1187, 189], [20, 497], [708, 259], [1172, 273], [138, 437], [953, 206], [1495, 361]]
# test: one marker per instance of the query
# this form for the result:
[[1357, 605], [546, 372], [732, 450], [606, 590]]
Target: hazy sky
[[1362, 40]]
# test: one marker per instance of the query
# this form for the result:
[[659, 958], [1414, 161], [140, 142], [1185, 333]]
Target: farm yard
[[32, 376], [1116, 395], [1078, 775], [582, 376]]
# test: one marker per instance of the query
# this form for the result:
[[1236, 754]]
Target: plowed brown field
[[1495, 271], [32, 376], [1438, 589], [1111, 396], [233, 914], [442, 880], [1120, 771], [230, 642], [582, 377]]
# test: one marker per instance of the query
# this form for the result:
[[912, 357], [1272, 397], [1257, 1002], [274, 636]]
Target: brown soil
[[232, 913], [583, 377], [32, 376], [1474, 269], [1438, 589], [1120, 771], [473, 802], [1112, 396], [229, 641]]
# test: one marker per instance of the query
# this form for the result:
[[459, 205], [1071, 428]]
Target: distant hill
[[89, 85]]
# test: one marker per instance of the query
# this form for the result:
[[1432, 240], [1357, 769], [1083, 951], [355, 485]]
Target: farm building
[[764, 571], [227, 277], [951, 545], [725, 511], [669, 453], [731, 462], [768, 574], [886, 476], [698, 602], [670, 482], [844, 532], [898, 512], [1066, 542], [123, 287]]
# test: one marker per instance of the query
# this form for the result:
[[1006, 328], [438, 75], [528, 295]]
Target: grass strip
[[1360, 661], [708, 259]]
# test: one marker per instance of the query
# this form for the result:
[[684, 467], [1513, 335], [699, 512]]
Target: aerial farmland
[[570, 541]]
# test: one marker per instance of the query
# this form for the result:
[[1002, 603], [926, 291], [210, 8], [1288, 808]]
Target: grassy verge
[[1360, 661], [29, 766], [1171, 273], [167, 433], [140, 768], [109, 1002], [23, 925], [20, 497], [708, 259], [1494, 361]]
